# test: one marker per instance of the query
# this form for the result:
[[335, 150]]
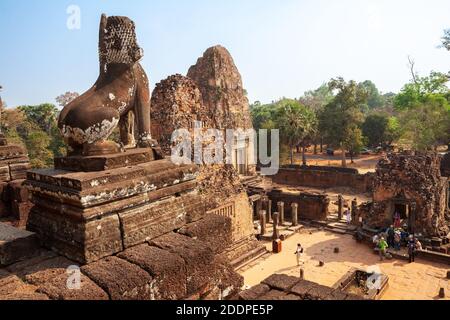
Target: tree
[[375, 128], [446, 39], [66, 98], [343, 113], [374, 98], [295, 122], [427, 126], [424, 107], [316, 100], [263, 116], [354, 140], [44, 115]]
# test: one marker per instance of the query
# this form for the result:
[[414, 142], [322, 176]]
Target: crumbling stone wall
[[417, 180], [311, 206], [14, 199], [177, 104], [324, 178]]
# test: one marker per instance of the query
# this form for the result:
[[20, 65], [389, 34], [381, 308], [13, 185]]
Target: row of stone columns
[[278, 218]]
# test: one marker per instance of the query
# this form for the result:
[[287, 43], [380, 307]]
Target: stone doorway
[[406, 209], [402, 210]]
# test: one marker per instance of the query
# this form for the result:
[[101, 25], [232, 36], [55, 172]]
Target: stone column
[[262, 221], [281, 211], [294, 211], [276, 233], [340, 207], [354, 209], [258, 207], [269, 210]]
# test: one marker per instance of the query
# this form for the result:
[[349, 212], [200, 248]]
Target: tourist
[[411, 248], [390, 236], [397, 221], [299, 253], [348, 216], [418, 245], [397, 240], [376, 240], [382, 246]]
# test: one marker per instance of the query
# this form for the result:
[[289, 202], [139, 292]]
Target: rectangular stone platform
[[16, 244], [105, 162], [90, 215]]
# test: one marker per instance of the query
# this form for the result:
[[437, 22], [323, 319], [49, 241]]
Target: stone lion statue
[[120, 96]]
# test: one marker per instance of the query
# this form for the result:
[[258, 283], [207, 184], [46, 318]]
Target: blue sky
[[282, 48]]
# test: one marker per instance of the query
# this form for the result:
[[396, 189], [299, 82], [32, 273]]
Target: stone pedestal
[[86, 216]]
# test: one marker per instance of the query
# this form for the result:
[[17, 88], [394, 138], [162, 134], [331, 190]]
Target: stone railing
[[227, 210]]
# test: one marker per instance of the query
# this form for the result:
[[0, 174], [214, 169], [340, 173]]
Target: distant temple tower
[[224, 99]]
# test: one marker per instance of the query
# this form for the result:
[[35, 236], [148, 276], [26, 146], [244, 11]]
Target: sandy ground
[[418, 281], [364, 163]]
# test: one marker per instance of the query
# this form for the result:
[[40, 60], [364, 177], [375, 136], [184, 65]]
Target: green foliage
[[421, 90], [296, 123], [35, 127], [354, 140], [374, 98], [317, 99], [343, 112], [380, 129], [427, 126], [424, 107]]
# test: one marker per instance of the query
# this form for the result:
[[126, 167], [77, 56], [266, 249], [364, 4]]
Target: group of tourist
[[393, 238]]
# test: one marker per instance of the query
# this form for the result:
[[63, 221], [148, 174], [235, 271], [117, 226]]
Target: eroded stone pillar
[[281, 212], [276, 233], [340, 207], [354, 209], [294, 207], [269, 210], [262, 221], [258, 207]]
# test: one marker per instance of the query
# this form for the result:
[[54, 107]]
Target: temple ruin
[[138, 225], [224, 99], [412, 186]]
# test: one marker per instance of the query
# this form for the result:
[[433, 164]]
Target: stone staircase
[[244, 252]]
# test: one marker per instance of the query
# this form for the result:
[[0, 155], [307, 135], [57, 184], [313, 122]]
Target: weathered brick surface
[[254, 293], [57, 289], [120, 279], [83, 242], [41, 273], [167, 269], [198, 256], [281, 282], [215, 231], [284, 287], [158, 218]]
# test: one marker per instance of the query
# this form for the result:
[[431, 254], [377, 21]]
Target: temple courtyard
[[417, 281]]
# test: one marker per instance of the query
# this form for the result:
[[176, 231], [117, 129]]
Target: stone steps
[[249, 257]]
